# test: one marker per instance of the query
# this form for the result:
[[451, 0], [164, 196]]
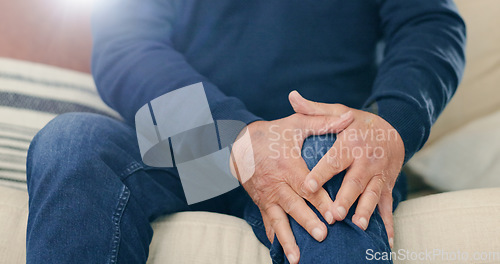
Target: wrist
[[242, 163]]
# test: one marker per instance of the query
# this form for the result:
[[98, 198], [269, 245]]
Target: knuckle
[[363, 212], [390, 188], [263, 181], [378, 181], [385, 206], [387, 197], [270, 233], [295, 117], [358, 145], [275, 190], [288, 202], [267, 199], [341, 107], [327, 120], [345, 201], [357, 183], [302, 191], [287, 244], [372, 194], [319, 202], [316, 105], [388, 223], [275, 222], [333, 162], [313, 121]]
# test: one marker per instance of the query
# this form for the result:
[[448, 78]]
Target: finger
[[385, 209], [368, 202], [321, 200], [336, 160], [307, 107], [279, 223], [267, 225], [327, 124], [297, 208], [353, 185]]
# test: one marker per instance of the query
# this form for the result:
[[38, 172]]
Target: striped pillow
[[30, 96]]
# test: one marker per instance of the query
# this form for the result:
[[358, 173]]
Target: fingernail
[[344, 115], [363, 222], [318, 234], [391, 242], [292, 259], [313, 185], [342, 212], [329, 217]]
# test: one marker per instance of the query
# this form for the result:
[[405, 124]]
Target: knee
[[344, 243], [64, 133], [68, 141], [315, 147]]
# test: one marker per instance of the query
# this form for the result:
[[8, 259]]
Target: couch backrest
[[479, 92]]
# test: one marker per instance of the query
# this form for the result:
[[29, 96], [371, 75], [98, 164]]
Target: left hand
[[371, 151]]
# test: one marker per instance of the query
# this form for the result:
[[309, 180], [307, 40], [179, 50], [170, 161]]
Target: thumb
[[303, 106], [324, 124]]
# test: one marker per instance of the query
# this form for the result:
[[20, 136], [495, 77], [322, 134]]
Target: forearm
[[423, 64]]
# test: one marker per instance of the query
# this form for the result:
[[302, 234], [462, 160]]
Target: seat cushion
[[463, 221], [201, 237], [13, 219]]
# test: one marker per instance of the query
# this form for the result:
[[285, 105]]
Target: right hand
[[273, 156]]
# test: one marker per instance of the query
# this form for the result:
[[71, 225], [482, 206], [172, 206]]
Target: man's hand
[[276, 185], [371, 151]]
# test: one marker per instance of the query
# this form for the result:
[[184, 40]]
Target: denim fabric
[[91, 199]]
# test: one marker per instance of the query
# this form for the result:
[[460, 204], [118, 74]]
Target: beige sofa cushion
[[462, 221], [465, 221], [13, 220], [200, 237]]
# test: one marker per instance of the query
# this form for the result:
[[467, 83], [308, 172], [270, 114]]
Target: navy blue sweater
[[251, 54]]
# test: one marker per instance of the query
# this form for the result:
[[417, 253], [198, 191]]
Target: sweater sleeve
[[423, 63], [134, 59]]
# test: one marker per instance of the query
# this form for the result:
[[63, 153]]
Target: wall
[[55, 32]]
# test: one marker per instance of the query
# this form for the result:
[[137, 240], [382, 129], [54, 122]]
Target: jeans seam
[[254, 221], [277, 256], [366, 234], [117, 216], [130, 169]]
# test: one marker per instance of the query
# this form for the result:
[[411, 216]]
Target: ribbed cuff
[[227, 107], [407, 120]]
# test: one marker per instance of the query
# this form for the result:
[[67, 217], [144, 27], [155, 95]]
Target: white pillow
[[468, 158]]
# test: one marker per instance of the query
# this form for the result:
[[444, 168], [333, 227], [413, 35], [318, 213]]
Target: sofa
[[452, 216]]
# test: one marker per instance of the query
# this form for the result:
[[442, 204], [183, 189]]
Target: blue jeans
[[91, 200]]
